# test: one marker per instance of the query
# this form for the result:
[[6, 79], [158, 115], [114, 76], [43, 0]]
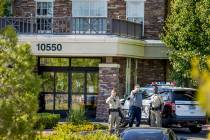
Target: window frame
[[47, 19], [48, 1], [127, 7], [89, 3]]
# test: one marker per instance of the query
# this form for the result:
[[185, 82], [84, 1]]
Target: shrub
[[47, 120], [19, 88], [77, 115], [99, 135], [71, 127], [100, 126]]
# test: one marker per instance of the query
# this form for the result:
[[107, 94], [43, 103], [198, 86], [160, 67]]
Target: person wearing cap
[[135, 106], [156, 107], [114, 106]]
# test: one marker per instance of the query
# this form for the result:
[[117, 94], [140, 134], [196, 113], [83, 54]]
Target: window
[[89, 8], [135, 10], [184, 95], [44, 13], [89, 16]]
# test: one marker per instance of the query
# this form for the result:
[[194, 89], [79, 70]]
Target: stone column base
[[108, 79]]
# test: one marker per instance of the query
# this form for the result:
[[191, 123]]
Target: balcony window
[[89, 16], [135, 10], [44, 13]]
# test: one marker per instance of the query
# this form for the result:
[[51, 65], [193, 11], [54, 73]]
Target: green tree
[[19, 88], [5, 6], [187, 34]]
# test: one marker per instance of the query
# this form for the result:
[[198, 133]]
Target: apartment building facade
[[85, 48]]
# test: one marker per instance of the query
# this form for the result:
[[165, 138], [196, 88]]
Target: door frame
[[69, 70]]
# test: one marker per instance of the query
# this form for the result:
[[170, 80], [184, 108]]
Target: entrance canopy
[[93, 46]]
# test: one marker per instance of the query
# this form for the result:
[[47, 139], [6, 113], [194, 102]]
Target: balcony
[[73, 26]]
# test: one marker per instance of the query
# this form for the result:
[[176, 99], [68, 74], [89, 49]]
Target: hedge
[[47, 120]]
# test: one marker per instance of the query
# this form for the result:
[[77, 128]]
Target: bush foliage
[[72, 127], [47, 120], [85, 131], [19, 87], [77, 115]]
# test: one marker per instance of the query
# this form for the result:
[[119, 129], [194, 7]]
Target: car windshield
[[188, 95], [147, 92]]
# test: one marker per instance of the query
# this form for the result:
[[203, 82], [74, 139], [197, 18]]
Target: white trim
[[109, 66]]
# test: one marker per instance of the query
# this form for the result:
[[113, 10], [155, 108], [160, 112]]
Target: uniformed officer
[[156, 107], [114, 106]]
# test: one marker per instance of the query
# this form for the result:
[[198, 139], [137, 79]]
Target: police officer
[[135, 106], [156, 107], [114, 106]]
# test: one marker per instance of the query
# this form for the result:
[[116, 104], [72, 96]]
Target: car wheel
[[195, 129]]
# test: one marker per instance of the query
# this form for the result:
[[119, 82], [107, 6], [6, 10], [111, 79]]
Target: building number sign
[[49, 47]]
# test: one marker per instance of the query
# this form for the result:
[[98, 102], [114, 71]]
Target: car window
[[147, 93], [165, 96], [188, 95]]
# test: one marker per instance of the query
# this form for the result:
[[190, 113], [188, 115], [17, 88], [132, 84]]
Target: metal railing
[[73, 25]]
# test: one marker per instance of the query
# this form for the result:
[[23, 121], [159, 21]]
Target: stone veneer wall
[[27, 7], [150, 70], [154, 16], [117, 9], [122, 71], [24, 8], [62, 8], [108, 79]]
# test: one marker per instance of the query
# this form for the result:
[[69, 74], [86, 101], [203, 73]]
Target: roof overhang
[[94, 46]]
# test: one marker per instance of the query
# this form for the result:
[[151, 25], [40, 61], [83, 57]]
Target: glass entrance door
[[84, 92], [78, 89], [55, 92], [91, 94]]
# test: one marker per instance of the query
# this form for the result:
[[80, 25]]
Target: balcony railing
[[73, 25]]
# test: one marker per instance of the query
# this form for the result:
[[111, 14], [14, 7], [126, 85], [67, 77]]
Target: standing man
[[135, 106], [156, 107], [114, 106]]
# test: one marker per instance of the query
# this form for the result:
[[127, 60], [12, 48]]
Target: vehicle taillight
[[171, 105]]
